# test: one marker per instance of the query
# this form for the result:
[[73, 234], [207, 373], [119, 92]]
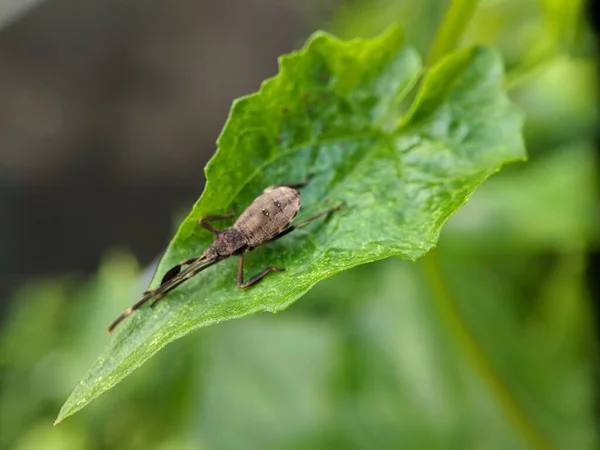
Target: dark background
[[110, 110]]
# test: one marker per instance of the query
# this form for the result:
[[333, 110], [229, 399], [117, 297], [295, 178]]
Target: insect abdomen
[[268, 215]]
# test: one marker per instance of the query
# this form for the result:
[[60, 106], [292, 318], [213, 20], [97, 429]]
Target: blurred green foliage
[[487, 343], [373, 358]]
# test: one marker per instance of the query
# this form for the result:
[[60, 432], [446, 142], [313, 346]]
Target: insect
[[268, 218]]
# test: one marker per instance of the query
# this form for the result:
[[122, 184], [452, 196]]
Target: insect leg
[[175, 270], [291, 228], [317, 216], [204, 221], [158, 293], [256, 278]]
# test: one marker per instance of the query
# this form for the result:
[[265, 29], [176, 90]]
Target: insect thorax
[[228, 241]]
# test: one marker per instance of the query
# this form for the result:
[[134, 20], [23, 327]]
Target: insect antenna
[[171, 283]]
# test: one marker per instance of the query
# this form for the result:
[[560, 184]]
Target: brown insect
[[268, 218]]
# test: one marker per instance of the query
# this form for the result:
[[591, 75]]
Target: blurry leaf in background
[[561, 105], [563, 19], [419, 19], [530, 34], [49, 338], [549, 207], [371, 359], [546, 374], [333, 111]]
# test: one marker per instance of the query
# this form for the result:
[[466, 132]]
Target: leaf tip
[[59, 418], [73, 404], [65, 412]]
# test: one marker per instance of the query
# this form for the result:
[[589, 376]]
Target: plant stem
[[453, 26], [500, 391], [523, 73]]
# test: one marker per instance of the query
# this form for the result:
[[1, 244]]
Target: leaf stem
[[501, 392], [524, 71], [453, 26]]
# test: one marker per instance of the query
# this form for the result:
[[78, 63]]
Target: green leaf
[[333, 111], [534, 210]]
